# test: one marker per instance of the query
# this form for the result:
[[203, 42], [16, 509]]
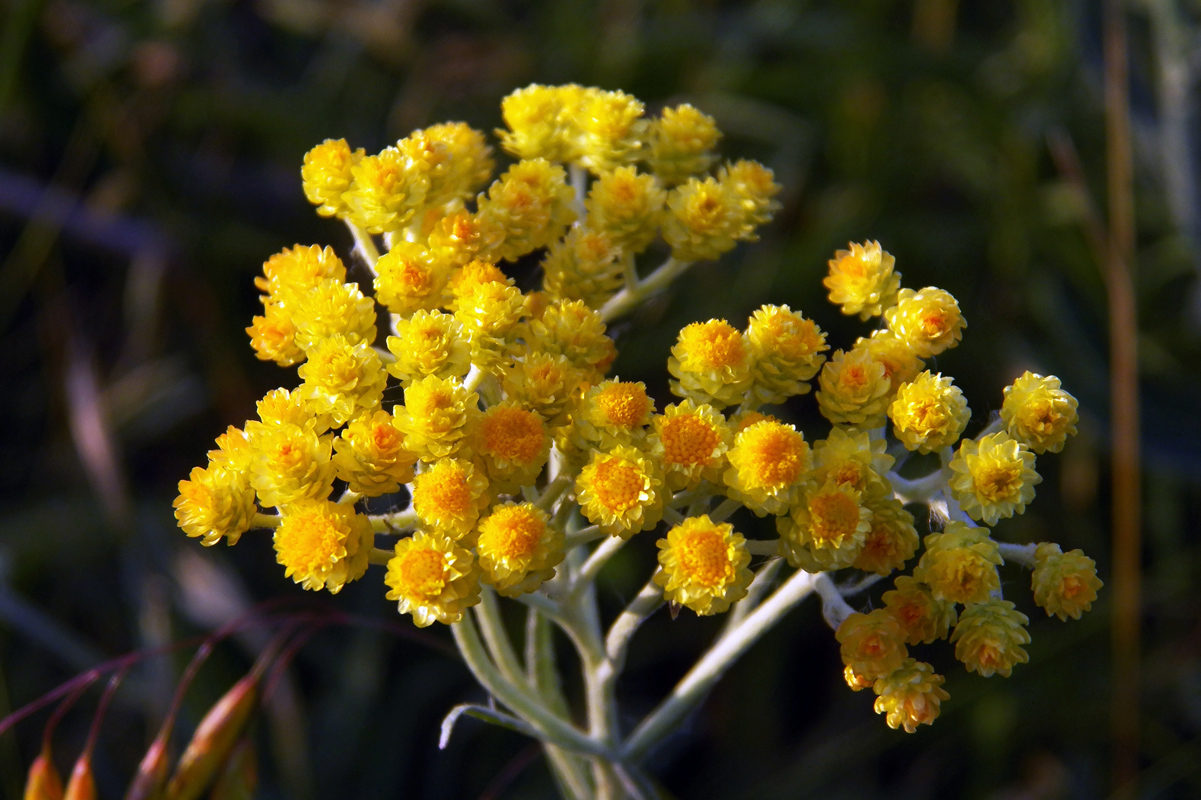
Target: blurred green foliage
[[149, 160]]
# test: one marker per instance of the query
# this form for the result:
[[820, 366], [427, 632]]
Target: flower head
[[929, 413], [703, 220], [704, 565], [489, 313], [574, 330], [768, 464], [342, 379], [960, 564], [854, 389], [371, 457], [273, 336], [512, 442], [435, 415], [993, 478], [327, 173], [681, 144], [854, 459], [892, 539], [432, 578], [712, 361], [910, 695], [1038, 413], [332, 307], [862, 280], [530, 204], [1065, 584], [989, 636], [627, 206], [518, 549], [584, 265], [787, 351], [429, 343], [612, 412], [294, 270], [215, 502], [290, 463], [928, 320], [922, 616], [323, 545], [690, 442], [611, 129], [450, 495], [543, 383], [873, 645], [754, 189], [387, 191], [540, 122], [826, 530], [621, 491], [409, 279]]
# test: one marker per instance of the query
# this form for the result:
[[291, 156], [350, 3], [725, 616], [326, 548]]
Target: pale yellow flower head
[[690, 442], [929, 413], [332, 307], [989, 636], [1038, 413], [627, 206], [341, 379], [543, 383], [929, 320], [681, 144], [826, 530], [489, 313], [456, 238], [1065, 584], [435, 415], [214, 503], [465, 279], [873, 645], [531, 204], [327, 173], [323, 545], [768, 464], [960, 564], [621, 491], [862, 280], [900, 362], [432, 578], [854, 459], [450, 495], [712, 362], [892, 539], [428, 343], [371, 457], [922, 616], [387, 191], [454, 159], [703, 220], [518, 549], [611, 129], [574, 330], [910, 695], [704, 565], [994, 478], [854, 389], [788, 351], [540, 121], [408, 279], [584, 265], [754, 189]]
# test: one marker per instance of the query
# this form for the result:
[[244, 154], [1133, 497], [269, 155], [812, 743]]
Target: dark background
[[149, 163]]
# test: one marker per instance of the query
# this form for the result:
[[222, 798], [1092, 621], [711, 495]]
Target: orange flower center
[[618, 485], [423, 572], [512, 434], [772, 456], [703, 557], [512, 532], [688, 440], [624, 405], [712, 345], [835, 516]]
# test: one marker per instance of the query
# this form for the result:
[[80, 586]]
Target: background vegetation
[[149, 163]]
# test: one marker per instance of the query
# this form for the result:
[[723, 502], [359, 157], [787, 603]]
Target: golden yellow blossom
[[540, 120], [703, 220], [854, 389], [490, 313], [456, 238], [518, 549], [294, 270], [704, 565], [450, 495], [233, 449], [826, 530], [531, 204], [333, 307], [712, 362], [910, 695], [576, 331], [960, 564], [327, 173], [342, 379], [690, 442], [387, 191], [281, 406], [862, 280], [432, 578], [428, 343], [627, 206], [928, 320], [435, 416], [273, 336], [584, 265], [323, 545], [620, 491], [929, 413], [993, 478], [454, 159], [544, 383], [681, 144], [371, 457], [290, 463], [892, 539], [989, 636], [214, 503], [873, 645], [900, 362], [611, 129], [408, 279], [787, 351], [610, 413], [1038, 413], [768, 464], [513, 444], [1065, 584], [922, 616], [754, 189], [854, 459]]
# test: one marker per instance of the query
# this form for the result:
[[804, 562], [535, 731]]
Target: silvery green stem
[[1018, 553], [364, 245], [700, 679], [492, 626], [762, 582], [625, 300], [835, 609], [617, 643]]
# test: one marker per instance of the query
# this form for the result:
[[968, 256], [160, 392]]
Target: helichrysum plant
[[517, 467]]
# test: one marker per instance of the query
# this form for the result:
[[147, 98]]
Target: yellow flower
[[513, 444], [435, 415], [490, 313], [826, 530], [681, 144], [704, 565], [768, 464], [704, 219], [989, 636], [584, 265], [333, 307], [280, 406], [929, 413], [960, 564], [455, 158], [456, 238], [543, 383], [432, 578], [922, 616], [450, 495], [993, 478], [611, 129], [854, 389], [910, 696], [294, 270], [466, 278], [408, 279], [290, 463], [928, 320], [873, 645], [327, 174], [233, 450], [387, 191], [892, 539], [574, 330], [540, 124], [323, 545], [273, 336], [370, 455], [531, 204], [429, 343], [610, 413], [627, 206], [215, 502], [1065, 584], [862, 280], [342, 379], [900, 362], [690, 442], [1038, 413], [754, 189], [620, 491], [787, 351], [854, 459], [712, 362], [518, 550]]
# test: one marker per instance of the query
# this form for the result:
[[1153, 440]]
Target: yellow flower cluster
[[512, 445]]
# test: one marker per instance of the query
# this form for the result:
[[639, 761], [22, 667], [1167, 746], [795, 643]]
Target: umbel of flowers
[[516, 466]]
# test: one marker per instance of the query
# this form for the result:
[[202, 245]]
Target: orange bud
[[240, 778], [82, 785], [151, 780], [214, 739], [43, 782]]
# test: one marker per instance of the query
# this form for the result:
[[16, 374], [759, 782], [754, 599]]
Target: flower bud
[[214, 739], [43, 781]]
